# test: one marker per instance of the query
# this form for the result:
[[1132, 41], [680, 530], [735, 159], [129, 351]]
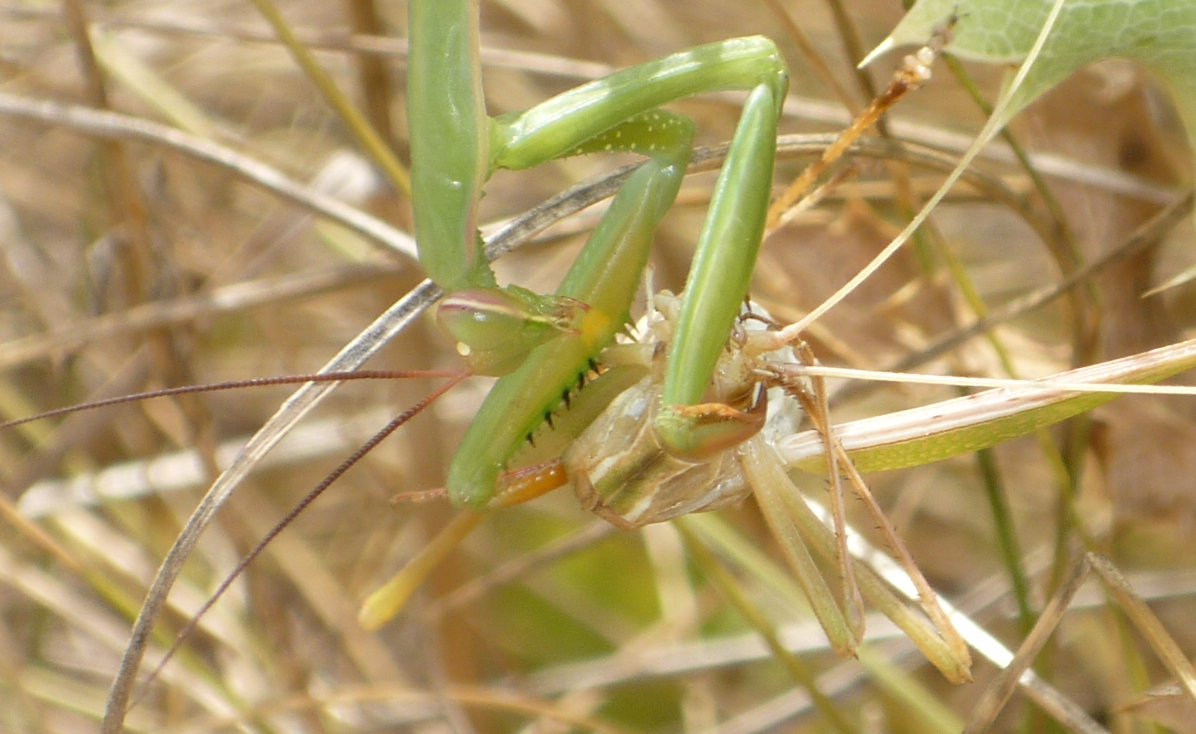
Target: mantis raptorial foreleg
[[551, 341]]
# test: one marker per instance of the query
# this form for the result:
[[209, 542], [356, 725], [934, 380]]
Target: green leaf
[[1161, 34]]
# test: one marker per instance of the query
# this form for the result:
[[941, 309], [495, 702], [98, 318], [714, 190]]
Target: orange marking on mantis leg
[[525, 485], [593, 325]]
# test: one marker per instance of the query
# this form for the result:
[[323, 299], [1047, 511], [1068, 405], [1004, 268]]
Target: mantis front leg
[[552, 340]]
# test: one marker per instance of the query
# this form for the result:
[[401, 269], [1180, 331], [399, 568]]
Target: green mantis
[[556, 339], [553, 339]]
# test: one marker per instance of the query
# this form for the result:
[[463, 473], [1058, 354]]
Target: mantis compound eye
[[496, 328]]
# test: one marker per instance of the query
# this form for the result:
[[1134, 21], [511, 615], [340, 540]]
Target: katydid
[[621, 471]]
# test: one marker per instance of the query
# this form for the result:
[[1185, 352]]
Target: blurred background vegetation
[[127, 266]]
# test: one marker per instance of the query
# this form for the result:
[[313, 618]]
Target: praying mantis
[[456, 147], [557, 325], [555, 340]]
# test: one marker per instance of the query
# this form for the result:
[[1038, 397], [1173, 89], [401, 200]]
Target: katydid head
[[621, 472], [623, 469], [496, 328]]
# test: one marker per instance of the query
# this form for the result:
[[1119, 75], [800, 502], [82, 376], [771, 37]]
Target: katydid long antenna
[[236, 385], [453, 376]]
